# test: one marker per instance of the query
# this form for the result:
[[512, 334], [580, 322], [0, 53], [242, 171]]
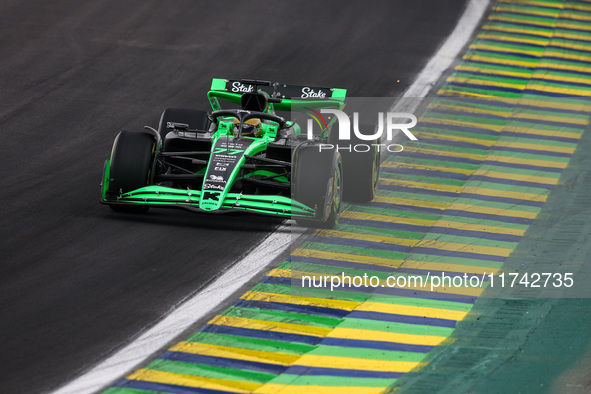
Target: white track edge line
[[198, 306], [181, 318]]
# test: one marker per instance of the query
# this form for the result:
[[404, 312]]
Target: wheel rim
[[376, 170], [338, 188]]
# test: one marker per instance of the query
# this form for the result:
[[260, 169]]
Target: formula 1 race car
[[242, 157]]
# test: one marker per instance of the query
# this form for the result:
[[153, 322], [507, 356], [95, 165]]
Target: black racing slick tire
[[196, 119], [131, 164], [361, 171], [318, 183], [361, 165]]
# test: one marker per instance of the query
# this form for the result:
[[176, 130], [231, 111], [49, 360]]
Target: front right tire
[[131, 164], [317, 182]]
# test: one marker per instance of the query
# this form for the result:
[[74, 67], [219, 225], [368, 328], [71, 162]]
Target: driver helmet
[[250, 128]]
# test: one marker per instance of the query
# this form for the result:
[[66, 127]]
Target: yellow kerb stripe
[[504, 193], [539, 41], [424, 167], [521, 51], [372, 335], [150, 375], [550, 118], [453, 122], [444, 153], [276, 388], [450, 137], [368, 237], [479, 227], [518, 177], [493, 211], [289, 299], [546, 34], [385, 218], [458, 247], [364, 364], [421, 185], [550, 133], [264, 325], [508, 62], [407, 310], [531, 162], [353, 258], [235, 353]]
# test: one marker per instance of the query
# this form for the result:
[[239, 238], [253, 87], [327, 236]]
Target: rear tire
[[196, 119], [131, 163], [361, 170], [318, 182]]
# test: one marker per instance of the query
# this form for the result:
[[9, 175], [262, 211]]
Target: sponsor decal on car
[[211, 186], [311, 93], [238, 87], [216, 179]]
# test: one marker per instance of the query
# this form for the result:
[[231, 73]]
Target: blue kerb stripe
[[523, 166], [278, 306], [487, 87], [487, 216], [339, 313], [577, 51], [549, 19], [513, 201], [577, 72], [464, 113], [440, 230], [482, 197], [532, 151], [407, 319], [401, 270], [383, 291], [468, 129], [247, 332], [563, 83], [538, 137], [535, 6], [165, 388], [386, 291], [505, 181], [548, 29], [428, 173], [507, 118], [339, 264], [452, 143], [221, 362], [352, 373], [381, 345], [548, 94], [376, 245], [498, 52], [409, 208], [429, 156], [407, 189], [520, 24], [483, 62], [498, 40]]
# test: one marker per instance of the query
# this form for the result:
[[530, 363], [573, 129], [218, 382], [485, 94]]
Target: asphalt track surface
[[76, 280]]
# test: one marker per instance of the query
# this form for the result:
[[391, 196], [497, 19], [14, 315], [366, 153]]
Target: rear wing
[[291, 96]]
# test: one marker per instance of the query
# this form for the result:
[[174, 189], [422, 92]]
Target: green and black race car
[[243, 157]]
